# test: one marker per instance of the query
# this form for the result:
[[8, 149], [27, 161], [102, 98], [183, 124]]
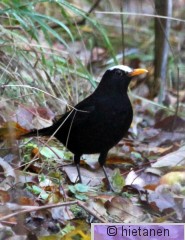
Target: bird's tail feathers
[[12, 130], [37, 133]]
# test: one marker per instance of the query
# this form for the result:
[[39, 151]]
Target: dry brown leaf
[[174, 159], [124, 210], [12, 130], [92, 178]]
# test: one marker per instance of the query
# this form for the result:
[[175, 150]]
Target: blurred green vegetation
[[47, 48]]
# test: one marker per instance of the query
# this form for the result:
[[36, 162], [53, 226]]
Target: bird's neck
[[110, 90]]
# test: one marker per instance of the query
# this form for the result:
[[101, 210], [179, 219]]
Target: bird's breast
[[101, 128]]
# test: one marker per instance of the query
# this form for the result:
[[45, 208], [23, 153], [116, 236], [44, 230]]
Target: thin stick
[[28, 209], [141, 14], [81, 204]]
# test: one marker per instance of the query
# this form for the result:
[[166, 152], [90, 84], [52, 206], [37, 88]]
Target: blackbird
[[98, 122]]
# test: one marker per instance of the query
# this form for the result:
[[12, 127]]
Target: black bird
[[98, 122]]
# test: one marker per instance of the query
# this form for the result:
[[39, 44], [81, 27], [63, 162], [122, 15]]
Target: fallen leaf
[[173, 178], [92, 178], [11, 130], [124, 210], [62, 213], [174, 159], [171, 123], [141, 178], [52, 152]]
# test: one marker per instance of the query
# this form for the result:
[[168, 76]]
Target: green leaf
[[81, 197], [38, 191], [42, 178], [81, 187], [35, 189], [117, 180], [136, 155], [72, 189], [50, 152], [78, 189], [44, 195]]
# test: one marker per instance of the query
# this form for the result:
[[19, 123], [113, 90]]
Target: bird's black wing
[[79, 114]]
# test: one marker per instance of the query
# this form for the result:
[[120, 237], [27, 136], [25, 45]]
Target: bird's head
[[117, 78]]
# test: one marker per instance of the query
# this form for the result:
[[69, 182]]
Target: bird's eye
[[119, 72]]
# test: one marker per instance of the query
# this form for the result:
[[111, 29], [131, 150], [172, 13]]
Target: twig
[[81, 204], [31, 209], [94, 6], [141, 15], [28, 209]]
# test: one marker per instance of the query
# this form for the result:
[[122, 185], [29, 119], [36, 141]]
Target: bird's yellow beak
[[137, 71]]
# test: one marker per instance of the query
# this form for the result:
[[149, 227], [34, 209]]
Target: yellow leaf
[[11, 130]]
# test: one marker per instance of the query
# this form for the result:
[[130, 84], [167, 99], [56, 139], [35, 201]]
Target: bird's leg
[[77, 163], [78, 170], [102, 159]]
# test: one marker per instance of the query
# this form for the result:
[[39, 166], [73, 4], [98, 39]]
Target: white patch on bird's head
[[122, 67]]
